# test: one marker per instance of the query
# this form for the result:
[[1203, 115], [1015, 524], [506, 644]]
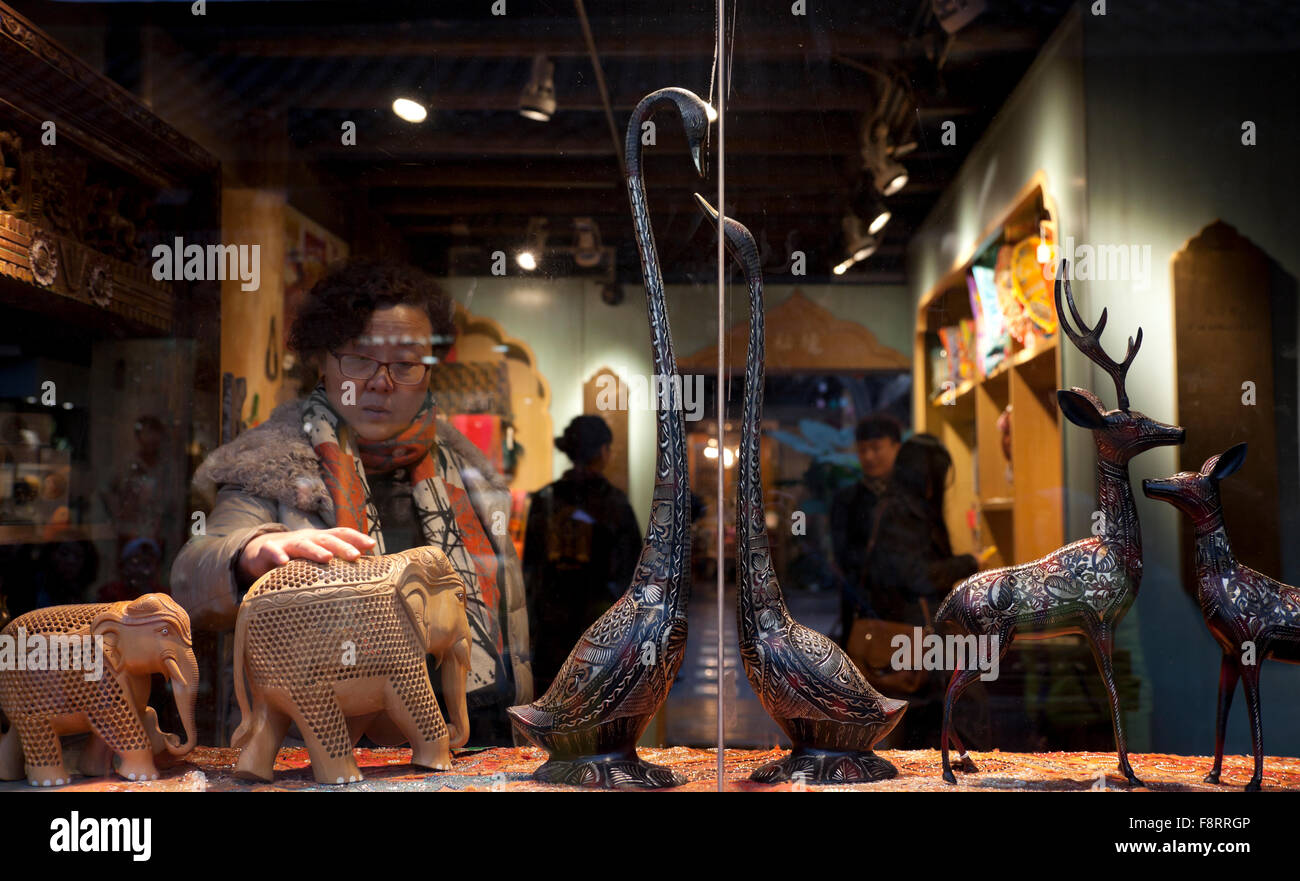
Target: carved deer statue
[[1083, 588], [1250, 616]]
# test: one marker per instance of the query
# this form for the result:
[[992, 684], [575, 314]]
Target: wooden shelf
[[1021, 513]]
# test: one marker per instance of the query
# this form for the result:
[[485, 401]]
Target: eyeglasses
[[400, 372]]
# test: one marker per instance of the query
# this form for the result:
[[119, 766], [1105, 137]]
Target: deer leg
[[961, 680], [1250, 682], [1102, 643], [1228, 675]]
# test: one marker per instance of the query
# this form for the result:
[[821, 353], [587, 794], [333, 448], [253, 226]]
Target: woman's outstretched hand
[[272, 549]]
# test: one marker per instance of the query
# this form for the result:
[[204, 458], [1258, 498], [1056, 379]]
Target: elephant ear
[[415, 599], [108, 626]]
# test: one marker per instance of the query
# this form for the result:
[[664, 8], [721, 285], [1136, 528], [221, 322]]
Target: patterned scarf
[[446, 515]]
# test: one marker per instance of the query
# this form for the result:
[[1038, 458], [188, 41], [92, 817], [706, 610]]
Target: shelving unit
[[1016, 505]]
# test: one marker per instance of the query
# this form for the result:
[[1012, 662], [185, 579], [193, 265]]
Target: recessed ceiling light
[[409, 110]]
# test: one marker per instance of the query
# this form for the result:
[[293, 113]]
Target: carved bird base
[[825, 766], [613, 771]]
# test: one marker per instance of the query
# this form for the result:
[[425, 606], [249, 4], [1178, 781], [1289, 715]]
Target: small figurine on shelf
[[72, 669], [339, 649], [1004, 435], [1251, 616]]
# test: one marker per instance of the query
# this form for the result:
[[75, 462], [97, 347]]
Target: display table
[[208, 769]]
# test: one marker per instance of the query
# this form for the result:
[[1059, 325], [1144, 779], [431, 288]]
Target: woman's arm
[[203, 577], [240, 543]]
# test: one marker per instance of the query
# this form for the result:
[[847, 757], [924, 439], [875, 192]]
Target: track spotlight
[[538, 98]]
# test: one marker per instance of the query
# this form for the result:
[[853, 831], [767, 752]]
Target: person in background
[[877, 442], [136, 497], [580, 548], [64, 570], [910, 565], [365, 465], [137, 571]]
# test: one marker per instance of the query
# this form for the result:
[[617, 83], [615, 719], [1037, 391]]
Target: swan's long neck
[[666, 552], [757, 584]]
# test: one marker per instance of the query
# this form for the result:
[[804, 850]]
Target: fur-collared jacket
[[268, 480]]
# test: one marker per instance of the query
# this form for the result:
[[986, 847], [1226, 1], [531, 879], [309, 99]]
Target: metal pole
[[722, 264]]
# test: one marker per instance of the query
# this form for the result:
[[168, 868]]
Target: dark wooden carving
[[1086, 587], [82, 162], [805, 682], [618, 675], [1250, 616]]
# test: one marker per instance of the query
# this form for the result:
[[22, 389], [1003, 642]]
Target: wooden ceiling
[[467, 180]]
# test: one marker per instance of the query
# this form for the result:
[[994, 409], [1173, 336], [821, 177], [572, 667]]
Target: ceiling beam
[[561, 37]]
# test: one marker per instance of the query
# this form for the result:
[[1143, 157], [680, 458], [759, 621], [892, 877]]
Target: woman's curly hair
[[339, 307]]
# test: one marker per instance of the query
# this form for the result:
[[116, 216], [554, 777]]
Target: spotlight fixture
[[537, 101], [534, 247], [953, 15], [410, 110], [858, 242], [887, 173], [867, 204], [587, 252]]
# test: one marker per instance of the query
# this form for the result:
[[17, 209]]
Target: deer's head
[[1196, 493], [1121, 433]]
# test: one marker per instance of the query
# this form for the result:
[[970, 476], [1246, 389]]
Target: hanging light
[[534, 246], [410, 110], [537, 101], [858, 241], [870, 207]]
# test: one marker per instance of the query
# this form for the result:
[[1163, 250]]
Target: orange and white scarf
[[446, 515]]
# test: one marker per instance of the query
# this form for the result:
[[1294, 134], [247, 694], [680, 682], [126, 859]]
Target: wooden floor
[[208, 769]]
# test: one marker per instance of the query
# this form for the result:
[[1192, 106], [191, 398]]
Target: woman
[[580, 548], [910, 567], [910, 558], [363, 465]]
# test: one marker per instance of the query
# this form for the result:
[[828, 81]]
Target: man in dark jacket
[[852, 511], [580, 548]]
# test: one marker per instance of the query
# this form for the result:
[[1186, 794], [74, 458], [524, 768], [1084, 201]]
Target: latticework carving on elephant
[[73, 669], [339, 650]]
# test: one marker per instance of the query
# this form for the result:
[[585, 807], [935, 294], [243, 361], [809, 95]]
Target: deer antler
[[1088, 340]]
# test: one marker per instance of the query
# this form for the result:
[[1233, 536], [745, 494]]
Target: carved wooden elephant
[[339, 649], [72, 669]]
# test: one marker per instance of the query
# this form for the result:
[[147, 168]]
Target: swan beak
[[706, 207]]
